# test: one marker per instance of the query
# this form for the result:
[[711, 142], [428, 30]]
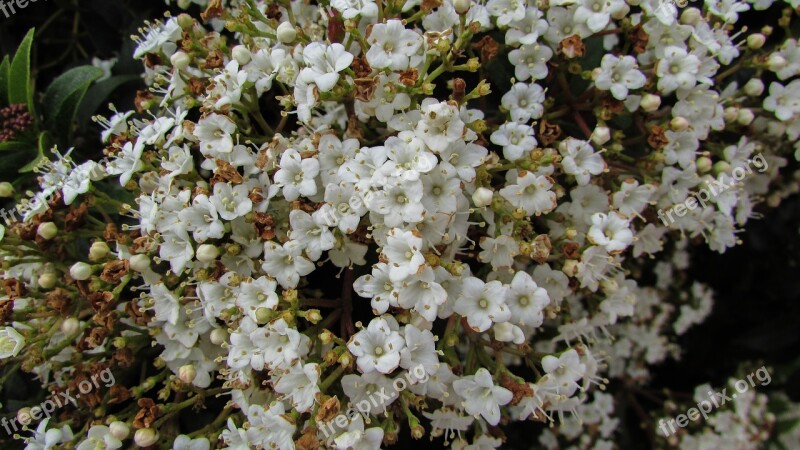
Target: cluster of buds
[[16, 119]]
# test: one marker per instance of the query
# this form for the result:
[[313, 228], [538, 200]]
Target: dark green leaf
[[19, 75], [4, 66], [99, 93], [64, 95], [12, 146], [43, 145]]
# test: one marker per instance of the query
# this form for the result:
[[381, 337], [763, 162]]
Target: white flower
[[482, 303], [391, 45], [506, 11], [44, 439], [286, 263], [499, 251], [378, 287], [325, 62], [377, 347], [530, 61], [610, 231], [422, 293], [11, 342], [373, 387], [296, 175], [282, 345], [527, 30], [357, 438], [678, 69], [214, 132], [99, 438], [516, 139], [596, 14], [352, 8], [783, 101], [258, 293], [270, 428], [184, 442], [580, 160], [481, 396], [402, 250], [420, 351], [619, 75], [440, 125], [563, 372], [299, 385], [531, 193], [126, 162], [526, 300], [202, 219], [231, 201], [524, 102], [312, 236], [631, 198]]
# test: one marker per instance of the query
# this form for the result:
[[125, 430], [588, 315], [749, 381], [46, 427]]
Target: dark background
[[756, 316]]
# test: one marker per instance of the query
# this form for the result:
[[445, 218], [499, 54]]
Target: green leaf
[[43, 145], [99, 93], [64, 95], [12, 146], [19, 75], [4, 66]]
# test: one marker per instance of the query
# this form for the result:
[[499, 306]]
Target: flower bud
[[313, 316], [482, 197], [80, 271], [755, 41], [241, 54], [462, 6], [704, 164], [6, 190], [729, 114], [185, 21], [70, 326], [207, 253], [601, 135], [264, 315], [24, 416], [145, 437], [650, 102], [745, 117], [570, 267], [119, 430], [690, 16], [219, 336], [98, 251], [47, 280], [721, 167], [47, 230], [140, 262], [754, 87], [776, 62], [11, 342], [678, 124], [286, 33], [187, 373], [326, 337], [184, 4], [180, 60]]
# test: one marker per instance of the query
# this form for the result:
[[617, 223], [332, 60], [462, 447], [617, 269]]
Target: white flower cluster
[[306, 152]]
